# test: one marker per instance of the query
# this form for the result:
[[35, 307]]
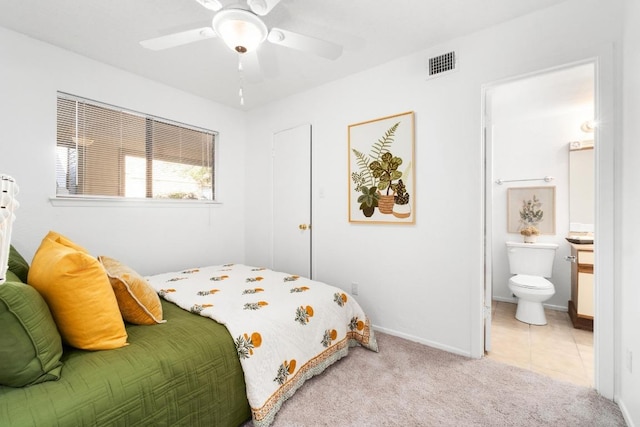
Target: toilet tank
[[534, 259]]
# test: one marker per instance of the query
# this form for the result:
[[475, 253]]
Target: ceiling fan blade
[[250, 64], [214, 5], [305, 43], [178, 39], [262, 7]]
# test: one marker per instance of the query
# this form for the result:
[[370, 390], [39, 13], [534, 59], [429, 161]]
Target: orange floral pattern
[[209, 292], [259, 317], [163, 292], [255, 305], [197, 308], [245, 344], [356, 324], [328, 337], [304, 314], [284, 370], [340, 298]]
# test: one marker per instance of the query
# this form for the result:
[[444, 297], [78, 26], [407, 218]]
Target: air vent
[[442, 64]]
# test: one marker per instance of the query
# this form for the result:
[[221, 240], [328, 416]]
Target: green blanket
[[184, 372]]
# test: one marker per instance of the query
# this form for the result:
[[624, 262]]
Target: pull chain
[[241, 80]]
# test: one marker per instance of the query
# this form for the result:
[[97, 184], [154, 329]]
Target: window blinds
[[108, 151]]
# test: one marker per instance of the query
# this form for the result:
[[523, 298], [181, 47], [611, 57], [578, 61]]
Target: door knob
[[304, 226]]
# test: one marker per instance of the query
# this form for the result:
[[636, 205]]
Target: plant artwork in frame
[[531, 207], [381, 173]]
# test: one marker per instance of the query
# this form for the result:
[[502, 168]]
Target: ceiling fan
[[243, 30]]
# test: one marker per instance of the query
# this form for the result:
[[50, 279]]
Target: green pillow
[[18, 265], [30, 344], [11, 277]]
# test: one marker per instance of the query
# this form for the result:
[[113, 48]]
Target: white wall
[[424, 281], [427, 282], [149, 239], [532, 121], [630, 290]]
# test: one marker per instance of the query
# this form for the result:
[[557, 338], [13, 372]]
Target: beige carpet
[[409, 384]]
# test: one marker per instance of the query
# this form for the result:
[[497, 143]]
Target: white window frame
[[61, 199]]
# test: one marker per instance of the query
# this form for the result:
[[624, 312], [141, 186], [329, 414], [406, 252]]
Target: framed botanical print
[[531, 207], [381, 170]]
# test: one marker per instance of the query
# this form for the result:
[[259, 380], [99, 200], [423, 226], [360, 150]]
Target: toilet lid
[[531, 282]]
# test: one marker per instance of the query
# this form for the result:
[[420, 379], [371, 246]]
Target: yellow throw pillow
[[138, 301], [59, 238], [78, 292]]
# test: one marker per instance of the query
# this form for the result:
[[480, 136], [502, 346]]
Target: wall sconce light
[[588, 126]]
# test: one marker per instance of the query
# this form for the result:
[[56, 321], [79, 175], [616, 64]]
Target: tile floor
[[555, 349]]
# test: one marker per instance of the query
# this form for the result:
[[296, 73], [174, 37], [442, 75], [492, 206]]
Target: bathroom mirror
[[581, 187]]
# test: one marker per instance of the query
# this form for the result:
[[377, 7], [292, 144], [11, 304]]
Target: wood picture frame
[[531, 206], [381, 170]]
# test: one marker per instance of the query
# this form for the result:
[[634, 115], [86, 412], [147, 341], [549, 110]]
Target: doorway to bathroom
[[531, 124]]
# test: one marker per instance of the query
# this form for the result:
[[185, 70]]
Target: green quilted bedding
[[184, 372]]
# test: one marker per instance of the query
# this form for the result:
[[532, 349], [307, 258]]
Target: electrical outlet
[[354, 288], [630, 360]]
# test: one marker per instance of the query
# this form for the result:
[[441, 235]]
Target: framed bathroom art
[[381, 170], [531, 206]]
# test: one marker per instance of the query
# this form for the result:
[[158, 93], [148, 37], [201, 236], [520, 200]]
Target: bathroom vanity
[[582, 286], [581, 227]]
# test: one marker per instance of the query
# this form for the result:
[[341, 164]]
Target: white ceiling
[[371, 31]]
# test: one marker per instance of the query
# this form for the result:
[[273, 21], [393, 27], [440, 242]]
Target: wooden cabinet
[[581, 305]]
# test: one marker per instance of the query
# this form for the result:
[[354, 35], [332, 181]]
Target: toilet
[[531, 263]]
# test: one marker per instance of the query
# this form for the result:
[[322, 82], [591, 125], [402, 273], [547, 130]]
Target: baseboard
[[441, 346], [429, 343], [555, 307], [625, 413], [506, 299], [515, 301]]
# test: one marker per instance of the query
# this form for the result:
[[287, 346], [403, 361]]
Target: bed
[[230, 343], [285, 328], [169, 375]]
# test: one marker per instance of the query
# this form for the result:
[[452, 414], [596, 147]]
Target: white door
[[292, 201], [488, 197]]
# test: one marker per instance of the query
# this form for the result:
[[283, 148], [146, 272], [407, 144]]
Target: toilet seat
[[531, 282]]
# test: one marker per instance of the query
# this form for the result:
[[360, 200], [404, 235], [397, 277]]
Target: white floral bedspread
[[286, 328]]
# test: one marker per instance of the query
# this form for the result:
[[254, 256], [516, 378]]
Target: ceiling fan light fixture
[[240, 29]]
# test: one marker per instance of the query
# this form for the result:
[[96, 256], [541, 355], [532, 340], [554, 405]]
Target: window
[[105, 151]]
